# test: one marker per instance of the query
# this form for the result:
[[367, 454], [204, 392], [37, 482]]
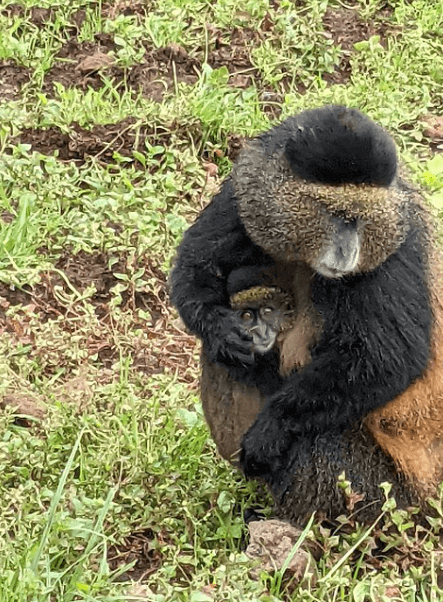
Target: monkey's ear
[[338, 145]]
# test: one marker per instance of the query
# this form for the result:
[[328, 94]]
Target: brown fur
[[230, 408], [296, 341], [410, 428]]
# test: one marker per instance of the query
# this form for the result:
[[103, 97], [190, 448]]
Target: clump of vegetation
[[118, 121]]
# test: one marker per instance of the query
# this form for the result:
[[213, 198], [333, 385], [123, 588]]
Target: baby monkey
[[282, 337], [277, 316], [262, 313]]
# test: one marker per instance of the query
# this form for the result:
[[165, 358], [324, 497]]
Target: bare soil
[[102, 141], [345, 28], [168, 347], [126, 7], [12, 78], [89, 64], [38, 16], [141, 548]]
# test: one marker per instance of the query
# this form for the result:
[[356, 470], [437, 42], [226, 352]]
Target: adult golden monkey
[[322, 193]]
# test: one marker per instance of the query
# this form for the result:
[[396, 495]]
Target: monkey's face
[[340, 255], [263, 324], [262, 312], [337, 230]]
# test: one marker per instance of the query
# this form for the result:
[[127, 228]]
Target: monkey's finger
[[247, 360], [239, 344], [244, 356]]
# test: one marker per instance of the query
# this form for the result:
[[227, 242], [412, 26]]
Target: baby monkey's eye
[[267, 311], [246, 316]]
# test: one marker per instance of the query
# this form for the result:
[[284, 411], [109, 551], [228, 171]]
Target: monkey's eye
[[267, 311], [246, 316]]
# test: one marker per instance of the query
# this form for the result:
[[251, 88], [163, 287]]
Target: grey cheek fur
[[340, 256]]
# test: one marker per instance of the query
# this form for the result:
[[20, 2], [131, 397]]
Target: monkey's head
[[262, 312], [322, 188]]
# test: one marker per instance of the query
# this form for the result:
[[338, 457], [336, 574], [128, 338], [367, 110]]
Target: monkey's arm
[[215, 245], [376, 341]]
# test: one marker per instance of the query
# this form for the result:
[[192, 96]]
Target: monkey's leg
[[309, 481]]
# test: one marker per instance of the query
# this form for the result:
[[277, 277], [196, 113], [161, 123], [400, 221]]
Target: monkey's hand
[[265, 447], [227, 341]]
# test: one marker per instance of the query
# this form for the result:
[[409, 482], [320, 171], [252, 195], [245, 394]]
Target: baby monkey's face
[[263, 324]]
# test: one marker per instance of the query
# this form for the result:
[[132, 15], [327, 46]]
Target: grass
[[106, 466]]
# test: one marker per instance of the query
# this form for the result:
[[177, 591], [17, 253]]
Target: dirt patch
[[83, 64], [37, 15], [40, 16], [81, 271], [166, 346], [233, 52], [345, 28], [12, 78], [141, 548], [128, 8], [161, 69], [433, 131], [102, 141], [27, 407], [77, 19], [13, 10], [89, 64]]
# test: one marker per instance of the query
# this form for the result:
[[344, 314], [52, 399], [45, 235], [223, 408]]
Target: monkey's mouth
[[263, 347], [341, 255], [329, 272]]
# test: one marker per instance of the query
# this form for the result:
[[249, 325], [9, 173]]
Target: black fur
[[337, 145], [262, 372], [246, 277], [309, 481], [210, 251], [376, 333], [375, 342]]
